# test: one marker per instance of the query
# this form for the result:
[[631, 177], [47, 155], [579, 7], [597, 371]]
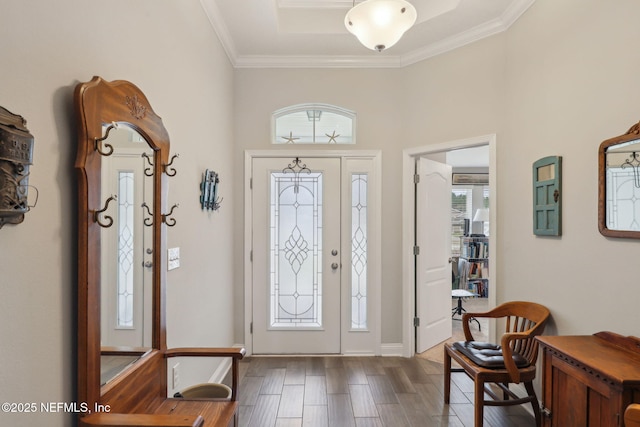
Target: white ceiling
[[311, 33]]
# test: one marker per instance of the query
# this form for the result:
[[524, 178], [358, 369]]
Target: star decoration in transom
[[332, 137], [290, 139]]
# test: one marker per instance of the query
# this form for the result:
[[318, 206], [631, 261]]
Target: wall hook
[[109, 220], [171, 171], [98, 141], [147, 221], [148, 171], [167, 217]]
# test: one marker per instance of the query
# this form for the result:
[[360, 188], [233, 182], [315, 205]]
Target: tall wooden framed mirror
[[122, 166], [619, 185], [122, 149]]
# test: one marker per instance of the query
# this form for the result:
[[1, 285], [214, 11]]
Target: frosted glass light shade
[[379, 24]]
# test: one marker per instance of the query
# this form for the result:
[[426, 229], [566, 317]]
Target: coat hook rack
[[209, 199], [109, 220], [99, 142], [166, 218], [171, 171], [149, 220], [148, 171]]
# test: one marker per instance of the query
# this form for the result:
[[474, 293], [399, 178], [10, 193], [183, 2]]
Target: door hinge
[[416, 250], [416, 322], [251, 255], [250, 183], [416, 178], [251, 328], [546, 412]]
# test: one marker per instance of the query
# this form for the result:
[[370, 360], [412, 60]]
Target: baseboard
[[223, 369], [386, 350], [392, 349]]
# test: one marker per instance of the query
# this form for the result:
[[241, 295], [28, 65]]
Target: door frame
[[374, 259], [408, 228]]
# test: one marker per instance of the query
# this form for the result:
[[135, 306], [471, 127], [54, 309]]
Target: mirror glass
[[126, 250], [622, 186]]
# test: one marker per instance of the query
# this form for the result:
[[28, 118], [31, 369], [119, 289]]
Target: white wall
[[572, 81], [170, 51]]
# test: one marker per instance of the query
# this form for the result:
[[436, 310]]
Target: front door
[[296, 255], [433, 236]]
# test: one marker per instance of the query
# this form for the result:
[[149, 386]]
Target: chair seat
[[474, 370], [487, 355]]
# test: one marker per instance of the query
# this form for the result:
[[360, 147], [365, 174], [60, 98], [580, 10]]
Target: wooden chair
[[632, 415], [514, 361]]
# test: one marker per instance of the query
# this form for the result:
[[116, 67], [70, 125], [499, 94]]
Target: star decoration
[[332, 137], [290, 139]]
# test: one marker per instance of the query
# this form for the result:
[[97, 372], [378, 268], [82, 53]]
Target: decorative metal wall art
[[209, 191], [16, 156]]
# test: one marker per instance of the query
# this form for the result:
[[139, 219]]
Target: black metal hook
[[147, 221], [166, 218], [96, 214], [97, 141], [148, 171], [171, 171]]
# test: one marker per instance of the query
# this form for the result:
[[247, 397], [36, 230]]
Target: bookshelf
[[475, 277]]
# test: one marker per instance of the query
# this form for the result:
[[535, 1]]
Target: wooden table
[[589, 380]]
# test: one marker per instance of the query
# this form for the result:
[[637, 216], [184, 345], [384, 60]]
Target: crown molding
[[220, 27], [495, 26], [317, 61]]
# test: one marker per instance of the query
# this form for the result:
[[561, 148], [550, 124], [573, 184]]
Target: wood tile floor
[[359, 392]]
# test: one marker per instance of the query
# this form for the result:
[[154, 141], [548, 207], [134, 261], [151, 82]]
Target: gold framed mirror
[[619, 185], [123, 149]]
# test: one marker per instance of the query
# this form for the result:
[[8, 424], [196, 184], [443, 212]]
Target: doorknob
[[334, 252], [334, 266], [148, 264]]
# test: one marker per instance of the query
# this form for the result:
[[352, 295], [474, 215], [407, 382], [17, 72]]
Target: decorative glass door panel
[[296, 255], [296, 250]]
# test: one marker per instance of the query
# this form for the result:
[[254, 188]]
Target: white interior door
[[433, 269], [296, 255]]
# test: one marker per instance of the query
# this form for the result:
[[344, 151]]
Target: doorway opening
[[450, 152]]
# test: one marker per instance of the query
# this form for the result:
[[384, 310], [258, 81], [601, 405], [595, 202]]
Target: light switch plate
[[174, 258]]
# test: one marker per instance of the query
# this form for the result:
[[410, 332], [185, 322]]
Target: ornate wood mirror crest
[[619, 185]]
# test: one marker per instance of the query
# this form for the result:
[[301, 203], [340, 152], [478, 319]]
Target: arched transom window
[[313, 124]]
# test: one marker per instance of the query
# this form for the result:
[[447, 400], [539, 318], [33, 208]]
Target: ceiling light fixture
[[379, 24]]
